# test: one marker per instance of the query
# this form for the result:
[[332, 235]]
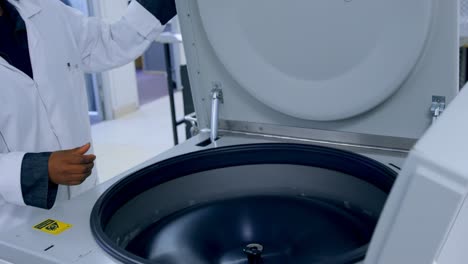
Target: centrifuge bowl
[[259, 203]]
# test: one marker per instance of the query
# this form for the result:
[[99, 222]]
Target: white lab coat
[[50, 112]]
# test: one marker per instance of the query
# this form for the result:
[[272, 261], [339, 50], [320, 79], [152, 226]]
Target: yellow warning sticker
[[53, 227]]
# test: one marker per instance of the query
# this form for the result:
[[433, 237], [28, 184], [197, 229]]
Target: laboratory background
[[235, 139]]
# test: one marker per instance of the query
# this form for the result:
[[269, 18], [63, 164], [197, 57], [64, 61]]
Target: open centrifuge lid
[[338, 54], [359, 66]]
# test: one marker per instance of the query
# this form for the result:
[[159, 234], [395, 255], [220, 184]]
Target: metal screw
[[254, 253]]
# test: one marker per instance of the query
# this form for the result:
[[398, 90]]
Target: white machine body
[[424, 220], [362, 75]]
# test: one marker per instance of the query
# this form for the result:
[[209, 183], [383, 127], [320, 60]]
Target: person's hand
[[71, 167]]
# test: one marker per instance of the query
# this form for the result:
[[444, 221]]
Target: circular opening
[[262, 203]]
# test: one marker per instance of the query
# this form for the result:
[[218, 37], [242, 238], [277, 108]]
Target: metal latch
[[216, 98], [192, 120], [437, 107]]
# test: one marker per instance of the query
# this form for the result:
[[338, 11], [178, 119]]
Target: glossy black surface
[[290, 229]]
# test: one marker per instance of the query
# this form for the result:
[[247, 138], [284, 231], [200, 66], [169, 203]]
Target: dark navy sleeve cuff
[[37, 190], [163, 10]]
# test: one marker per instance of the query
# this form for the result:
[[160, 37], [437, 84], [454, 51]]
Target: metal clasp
[[193, 121], [437, 107]]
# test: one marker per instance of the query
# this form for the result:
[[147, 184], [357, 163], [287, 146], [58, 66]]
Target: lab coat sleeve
[[10, 177], [36, 187], [104, 46]]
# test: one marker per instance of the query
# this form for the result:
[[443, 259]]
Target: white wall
[[120, 89]]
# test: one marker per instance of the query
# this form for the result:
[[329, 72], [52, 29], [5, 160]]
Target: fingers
[[72, 179], [71, 167], [89, 158], [81, 159], [82, 150], [77, 179], [80, 169]]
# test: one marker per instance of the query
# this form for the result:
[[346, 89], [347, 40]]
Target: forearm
[[37, 189]]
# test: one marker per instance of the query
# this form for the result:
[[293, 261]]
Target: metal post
[[217, 97], [170, 87]]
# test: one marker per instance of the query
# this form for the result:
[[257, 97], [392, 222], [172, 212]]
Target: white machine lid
[[359, 52]]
